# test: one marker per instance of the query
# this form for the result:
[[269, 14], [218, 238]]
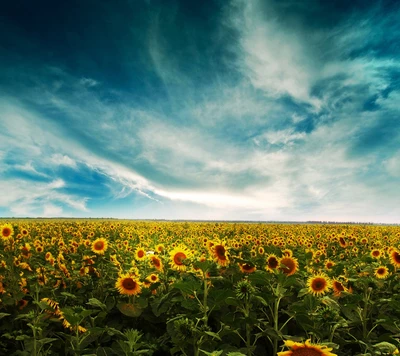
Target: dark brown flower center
[[129, 284], [179, 257], [318, 284]]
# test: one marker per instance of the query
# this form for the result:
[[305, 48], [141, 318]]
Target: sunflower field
[[110, 287]]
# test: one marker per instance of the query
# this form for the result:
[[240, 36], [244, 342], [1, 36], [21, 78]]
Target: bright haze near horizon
[[220, 110]]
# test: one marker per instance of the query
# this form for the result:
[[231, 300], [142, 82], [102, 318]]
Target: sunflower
[[338, 287], [220, 254], [272, 262], [381, 272], [127, 284], [178, 255], [287, 253], [160, 248], [318, 284], [329, 264], [156, 262], [342, 242], [153, 278], [21, 304], [395, 258], [246, 268], [376, 253], [305, 349], [289, 265], [100, 246], [140, 253], [6, 231]]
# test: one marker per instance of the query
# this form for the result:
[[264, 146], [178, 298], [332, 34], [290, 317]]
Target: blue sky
[[234, 110]]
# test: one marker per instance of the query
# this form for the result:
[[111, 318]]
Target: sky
[[208, 110]]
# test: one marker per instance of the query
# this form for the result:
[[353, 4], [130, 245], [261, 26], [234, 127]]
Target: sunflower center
[[179, 257], [247, 267], [338, 286], [381, 271], [396, 257], [129, 284], [289, 265], [6, 232], [156, 262], [140, 253], [220, 252], [99, 245], [272, 262], [318, 284]]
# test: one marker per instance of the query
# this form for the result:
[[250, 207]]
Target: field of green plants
[[101, 287]]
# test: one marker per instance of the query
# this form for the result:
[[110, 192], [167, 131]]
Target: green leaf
[[385, 347], [3, 315], [214, 335], [104, 351], [330, 303], [302, 292], [261, 300], [69, 295], [259, 278], [187, 287], [232, 301], [46, 340], [214, 353], [129, 309], [96, 303]]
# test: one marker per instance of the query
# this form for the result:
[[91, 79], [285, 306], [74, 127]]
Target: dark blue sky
[[253, 110]]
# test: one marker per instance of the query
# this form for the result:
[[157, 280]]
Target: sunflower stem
[[276, 323]]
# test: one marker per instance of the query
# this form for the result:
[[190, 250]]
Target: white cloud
[[29, 168], [63, 160], [280, 137], [275, 60], [392, 165], [50, 210], [25, 199], [89, 82]]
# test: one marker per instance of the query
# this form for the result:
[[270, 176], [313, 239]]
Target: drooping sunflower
[[305, 349], [272, 262], [395, 258], [178, 255], [247, 268], [99, 246], [220, 254], [381, 272], [7, 231], [318, 284], [338, 287], [127, 284], [156, 262], [342, 242], [289, 265]]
